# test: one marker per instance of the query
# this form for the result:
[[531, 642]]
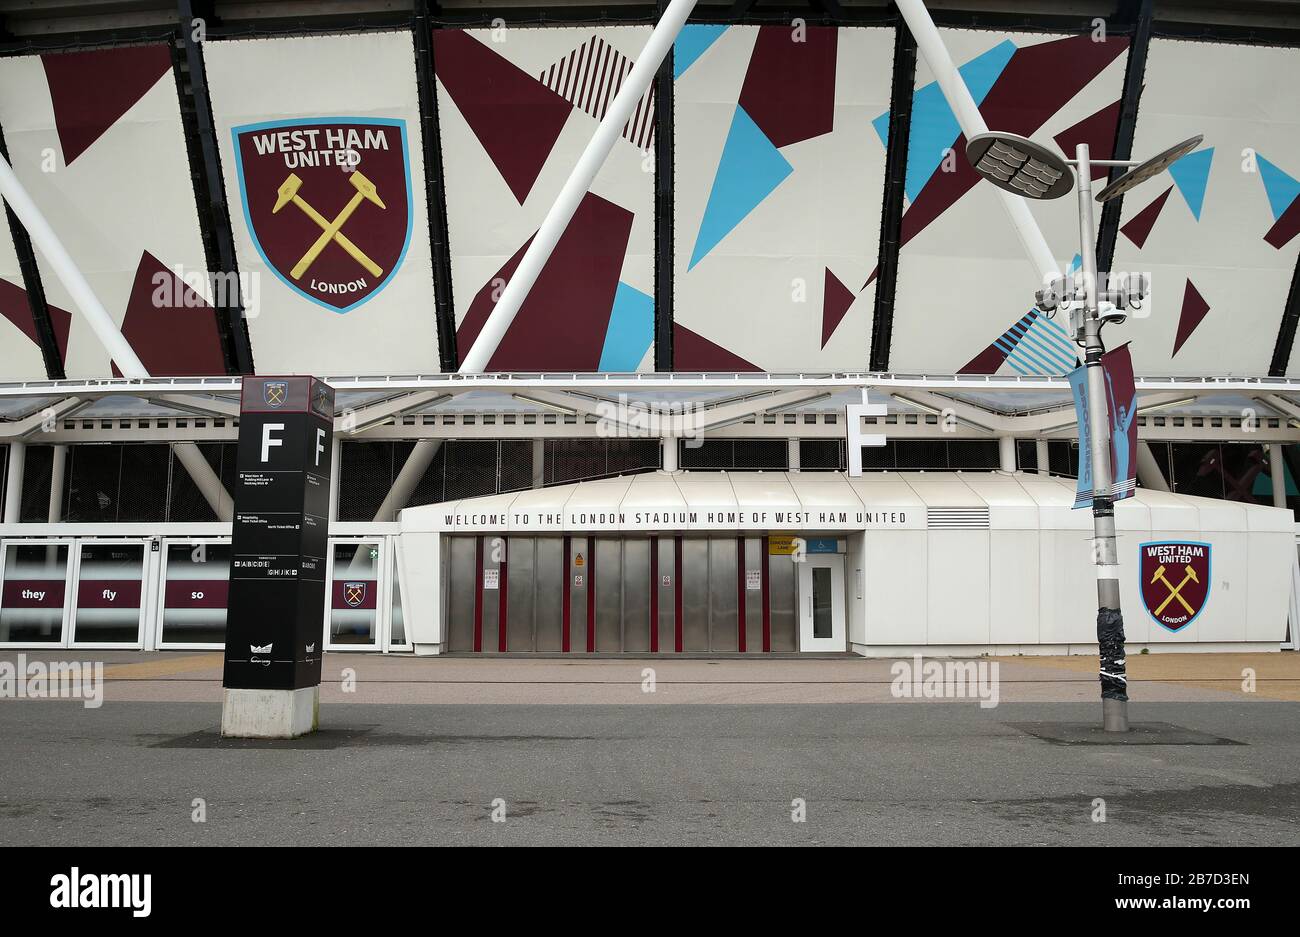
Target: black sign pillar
[[278, 546]]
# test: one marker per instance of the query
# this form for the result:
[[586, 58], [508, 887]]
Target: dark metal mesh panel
[[1244, 472], [94, 473], [705, 454], [184, 501], [368, 469], [471, 468], [974, 454], [1160, 450], [1063, 458], [1197, 469], [879, 457], [930, 454], [822, 455], [142, 490], [625, 456], [429, 489], [516, 464], [735, 454], [760, 455], [37, 470], [575, 459], [1026, 455]]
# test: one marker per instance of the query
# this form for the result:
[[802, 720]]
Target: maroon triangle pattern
[[1037, 82], [1098, 131], [789, 89], [562, 324], [90, 91], [694, 352], [1139, 226], [1286, 227], [515, 117], [836, 300], [1193, 313], [171, 327], [15, 308]]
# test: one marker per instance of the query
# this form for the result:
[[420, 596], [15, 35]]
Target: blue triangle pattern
[[630, 331], [692, 42], [1191, 174], [934, 126], [1281, 187], [749, 170]]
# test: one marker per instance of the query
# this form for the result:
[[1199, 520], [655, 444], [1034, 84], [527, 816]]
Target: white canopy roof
[[824, 502]]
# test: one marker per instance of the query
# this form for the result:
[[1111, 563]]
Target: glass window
[[31, 601], [822, 602], [195, 594], [108, 593], [354, 594], [398, 636]]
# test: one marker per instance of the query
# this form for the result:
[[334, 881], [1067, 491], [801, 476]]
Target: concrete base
[[269, 714]]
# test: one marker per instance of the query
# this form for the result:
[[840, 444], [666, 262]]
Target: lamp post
[[1024, 168]]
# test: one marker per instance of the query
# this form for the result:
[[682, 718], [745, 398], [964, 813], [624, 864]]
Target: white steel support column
[[1007, 453], [669, 444], [1277, 474], [792, 454], [58, 469], [404, 485], [539, 463], [14, 482], [1042, 456], [336, 470], [958, 96], [102, 324], [579, 181]]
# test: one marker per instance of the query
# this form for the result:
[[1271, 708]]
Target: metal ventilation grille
[[958, 518]]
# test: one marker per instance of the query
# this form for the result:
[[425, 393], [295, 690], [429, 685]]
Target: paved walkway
[[373, 678]]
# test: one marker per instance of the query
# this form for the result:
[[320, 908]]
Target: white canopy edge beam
[[737, 383]]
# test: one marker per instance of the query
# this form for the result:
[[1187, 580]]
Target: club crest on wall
[[1175, 581], [328, 203]]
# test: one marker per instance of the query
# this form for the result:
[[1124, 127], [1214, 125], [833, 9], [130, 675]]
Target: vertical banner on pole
[[280, 534], [1121, 406], [1078, 379]]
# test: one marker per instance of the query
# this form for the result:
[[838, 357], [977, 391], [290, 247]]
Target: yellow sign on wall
[[781, 544]]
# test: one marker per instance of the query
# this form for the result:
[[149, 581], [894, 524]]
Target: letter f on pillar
[[268, 441]]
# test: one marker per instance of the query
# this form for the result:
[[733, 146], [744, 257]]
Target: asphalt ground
[[774, 752]]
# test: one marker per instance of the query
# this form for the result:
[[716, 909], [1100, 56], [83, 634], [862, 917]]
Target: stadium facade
[[784, 268]]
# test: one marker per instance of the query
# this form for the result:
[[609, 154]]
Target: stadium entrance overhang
[[666, 407], [750, 562]]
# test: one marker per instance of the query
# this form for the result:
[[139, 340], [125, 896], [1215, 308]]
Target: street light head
[[1152, 167], [1019, 165]]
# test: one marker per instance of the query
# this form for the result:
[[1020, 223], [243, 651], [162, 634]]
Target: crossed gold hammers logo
[[1189, 575], [330, 230]]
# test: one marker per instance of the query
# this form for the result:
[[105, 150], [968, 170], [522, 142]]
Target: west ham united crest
[[354, 593], [328, 203], [275, 393], [1175, 581]]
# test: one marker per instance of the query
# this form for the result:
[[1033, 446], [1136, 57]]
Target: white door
[[821, 602], [354, 602]]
